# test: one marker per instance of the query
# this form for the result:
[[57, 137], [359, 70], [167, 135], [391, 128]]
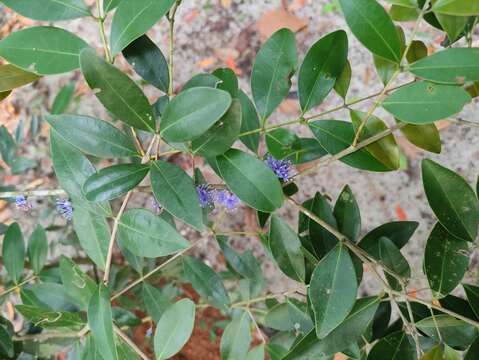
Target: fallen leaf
[[401, 214], [274, 20], [206, 63]]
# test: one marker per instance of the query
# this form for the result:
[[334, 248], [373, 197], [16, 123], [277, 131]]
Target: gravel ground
[[212, 31]]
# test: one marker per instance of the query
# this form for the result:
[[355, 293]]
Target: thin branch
[[17, 286], [247, 303], [258, 329], [171, 46], [130, 343]]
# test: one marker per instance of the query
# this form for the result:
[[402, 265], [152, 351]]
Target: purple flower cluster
[[210, 197], [65, 208], [156, 206], [22, 203], [282, 168]]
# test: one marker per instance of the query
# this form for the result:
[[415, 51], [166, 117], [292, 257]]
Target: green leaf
[[13, 252], [336, 135], [8, 147], [93, 233], [43, 50], [49, 10], [236, 338], [148, 62], [406, 3], [219, 138], [322, 240], [6, 342], [134, 18], [347, 214], [310, 347], [192, 112], [12, 77], [454, 26], [206, 282], [373, 27], [453, 66], [343, 81], [417, 51], [79, 286], [148, 235], [4, 95], [251, 180], [403, 13], [424, 102], [37, 249], [473, 351], [399, 232], [111, 182], [100, 321], [50, 319], [229, 81], [63, 99], [201, 80], [441, 352], [174, 328], [385, 150], [472, 293], [395, 346], [244, 264], [304, 150], [446, 261], [175, 192], [286, 248], [389, 254], [93, 136], [457, 7], [322, 66], [280, 142], [257, 353], [249, 122], [454, 332], [273, 68], [110, 5], [155, 302], [72, 169], [452, 199], [426, 137], [117, 92], [333, 290]]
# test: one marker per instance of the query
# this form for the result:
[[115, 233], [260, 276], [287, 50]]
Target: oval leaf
[[113, 181], [175, 192], [147, 235], [454, 332], [426, 137], [37, 249], [117, 92], [79, 286], [452, 199], [49, 10], [13, 252], [347, 214], [236, 338], [249, 122], [394, 346], [273, 68], [192, 112], [12, 77], [251, 180], [457, 7]]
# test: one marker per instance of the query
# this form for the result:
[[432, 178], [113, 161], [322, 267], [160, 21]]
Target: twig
[[258, 329], [246, 303], [171, 19], [130, 343], [19, 285]]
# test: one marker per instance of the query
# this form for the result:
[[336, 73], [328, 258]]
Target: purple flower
[[22, 203], [149, 332], [64, 207], [156, 206], [205, 195], [282, 168], [228, 199]]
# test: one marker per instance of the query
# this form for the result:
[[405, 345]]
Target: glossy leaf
[[426, 137], [472, 293], [192, 112], [206, 282], [12, 77], [94, 235], [92, 136], [304, 150], [43, 50], [452, 199], [229, 81], [335, 136], [385, 150], [148, 62], [406, 3], [347, 214], [273, 68], [116, 91], [100, 321], [473, 351], [280, 142], [333, 290], [148, 235], [134, 18], [174, 329], [257, 353], [44, 318], [343, 81], [445, 260], [236, 338], [454, 65], [78, 285], [454, 332], [286, 248], [390, 255], [219, 138], [37, 249], [322, 66], [457, 7], [111, 182], [63, 99], [424, 102], [49, 10], [441, 352], [417, 51], [13, 252], [373, 27], [155, 302], [202, 80], [110, 5], [251, 180], [175, 192], [399, 232], [249, 122], [340, 338], [6, 339], [8, 147], [395, 346]]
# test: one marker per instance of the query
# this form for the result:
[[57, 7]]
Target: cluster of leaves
[[65, 308]]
